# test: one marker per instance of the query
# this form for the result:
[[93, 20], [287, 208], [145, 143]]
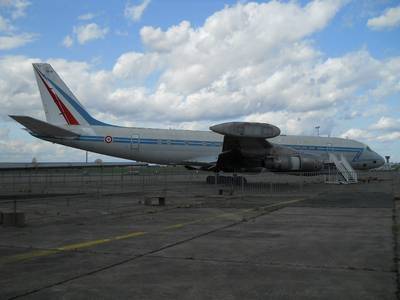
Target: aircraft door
[[135, 142]]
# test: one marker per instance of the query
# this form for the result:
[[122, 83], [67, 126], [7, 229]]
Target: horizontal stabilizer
[[43, 129]]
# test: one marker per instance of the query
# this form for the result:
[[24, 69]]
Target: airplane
[[228, 147]]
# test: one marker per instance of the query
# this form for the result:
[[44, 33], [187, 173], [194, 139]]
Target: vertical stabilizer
[[60, 105]]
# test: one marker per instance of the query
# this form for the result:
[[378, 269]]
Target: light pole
[[317, 127], [387, 157]]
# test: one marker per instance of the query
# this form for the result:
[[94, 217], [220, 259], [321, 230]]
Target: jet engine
[[300, 162]]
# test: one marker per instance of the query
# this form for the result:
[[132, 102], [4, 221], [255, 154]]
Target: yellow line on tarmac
[[88, 244], [77, 246], [129, 235], [176, 226], [25, 256], [82, 245]]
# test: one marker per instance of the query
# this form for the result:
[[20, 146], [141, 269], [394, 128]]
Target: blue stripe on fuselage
[[323, 148], [152, 141]]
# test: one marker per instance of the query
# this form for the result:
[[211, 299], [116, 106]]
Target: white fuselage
[[179, 147]]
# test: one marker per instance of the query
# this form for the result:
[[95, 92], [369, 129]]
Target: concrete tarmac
[[338, 244]]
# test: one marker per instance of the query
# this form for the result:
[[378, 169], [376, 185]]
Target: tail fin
[[60, 105]]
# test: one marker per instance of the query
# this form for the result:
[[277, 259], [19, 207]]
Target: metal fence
[[60, 190], [157, 179], [90, 181]]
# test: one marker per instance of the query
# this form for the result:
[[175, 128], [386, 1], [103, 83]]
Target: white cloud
[[4, 133], [86, 17], [17, 7], [89, 32], [387, 123], [386, 129], [357, 134], [205, 73], [121, 32], [393, 136], [11, 38], [18, 90], [85, 33], [135, 12], [390, 18], [20, 7], [158, 40], [268, 30], [14, 41], [68, 41], [298, 123], [390, 80], [17, 150], [5, 25], [376, 110], [136, 65]]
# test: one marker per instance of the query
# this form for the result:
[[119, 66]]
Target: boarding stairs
[[346, 174]]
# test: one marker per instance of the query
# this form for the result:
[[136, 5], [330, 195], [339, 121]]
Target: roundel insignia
[[108, 139]]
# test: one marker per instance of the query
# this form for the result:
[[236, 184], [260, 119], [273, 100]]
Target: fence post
[[165, 184], [122, 180], [143, 184], [29, 182], [84, 175], [393, 180], [242, 186], [101, 182]]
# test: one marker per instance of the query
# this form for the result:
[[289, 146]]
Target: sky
[[193, 64]]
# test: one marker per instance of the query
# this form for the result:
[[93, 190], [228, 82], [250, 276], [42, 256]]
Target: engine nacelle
[[301, 162]]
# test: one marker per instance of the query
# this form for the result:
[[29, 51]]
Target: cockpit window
[[369, 149]]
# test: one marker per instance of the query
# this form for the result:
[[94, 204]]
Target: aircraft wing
[[44, 129], [244, 144], [207, 163], [203, 161]]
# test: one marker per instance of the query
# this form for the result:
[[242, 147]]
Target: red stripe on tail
[[69, 118]]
